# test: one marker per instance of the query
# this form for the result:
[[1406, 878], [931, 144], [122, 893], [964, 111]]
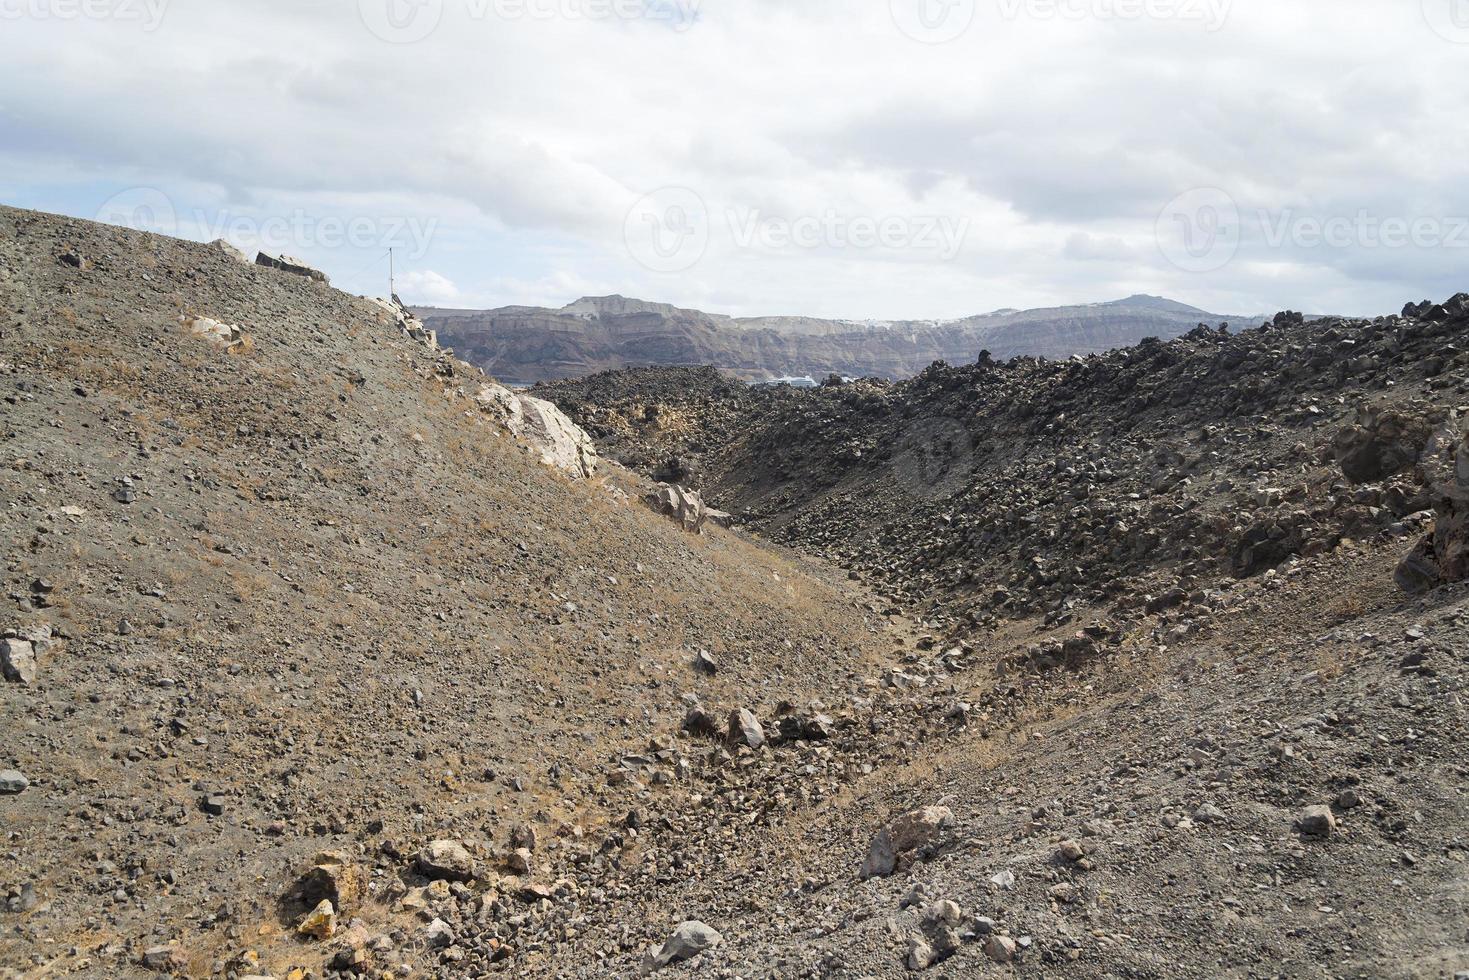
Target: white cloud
[[522, 133], [428, 287]]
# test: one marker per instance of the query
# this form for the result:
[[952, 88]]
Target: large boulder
[[22, 649], [221, 245], [211, 329], [680, 504], [291, 264], [18, 661], [335, 878], [1381, 442], [446, 859], [745, 729], [688, 940], [908, 832], [542, 426]]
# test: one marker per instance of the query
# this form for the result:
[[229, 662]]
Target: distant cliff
[[523, 344]]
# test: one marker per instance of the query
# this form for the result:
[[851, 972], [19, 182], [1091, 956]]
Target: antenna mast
[[392, 287]]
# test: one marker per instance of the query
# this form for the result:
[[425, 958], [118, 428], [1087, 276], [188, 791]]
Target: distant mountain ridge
[[525, 344]]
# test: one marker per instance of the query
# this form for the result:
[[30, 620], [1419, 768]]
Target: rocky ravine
[[1004, 489], [343, 680]]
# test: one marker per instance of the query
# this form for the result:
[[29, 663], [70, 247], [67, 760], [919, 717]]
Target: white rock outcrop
[[542, 426], [211, 329], [537, 423], [411, 325]]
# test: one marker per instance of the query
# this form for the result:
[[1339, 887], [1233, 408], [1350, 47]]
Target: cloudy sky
[[852, 158]]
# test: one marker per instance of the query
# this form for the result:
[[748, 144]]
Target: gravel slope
[[311, 606], [338, 597]]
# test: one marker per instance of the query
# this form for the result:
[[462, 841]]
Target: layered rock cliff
[[530, 344]]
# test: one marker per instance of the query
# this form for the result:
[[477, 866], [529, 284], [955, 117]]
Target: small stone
[[1064, 893], [438, 935], [1000, 949], [535, 892], [164, 958], [916, 895], [920, 954], [519, 861], [354, 960], [1317, 821], [523, 835], [705, 663], [12, 782], [213, 804], [1070, 850], [320, 922], [446, 859], [1209, 813], [744, 729], [942, 913], [700, 722], [1348, 799]]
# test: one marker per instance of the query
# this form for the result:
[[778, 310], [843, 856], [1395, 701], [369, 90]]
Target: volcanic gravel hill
[[1083, 669]]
